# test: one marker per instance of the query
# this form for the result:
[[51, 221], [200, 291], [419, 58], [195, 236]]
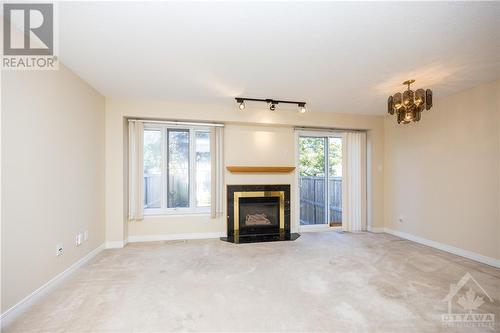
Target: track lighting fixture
[[271, 102]]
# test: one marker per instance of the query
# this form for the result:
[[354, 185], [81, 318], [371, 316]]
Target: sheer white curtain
[[217, 169], [354, 181], [135, 170]]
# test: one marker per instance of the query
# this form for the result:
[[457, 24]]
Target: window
[[177, 169]]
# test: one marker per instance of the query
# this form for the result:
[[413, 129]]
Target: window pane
[[335, 156], [312, 171], [152, 169], [312, 156], [178, 168], [203, 169]]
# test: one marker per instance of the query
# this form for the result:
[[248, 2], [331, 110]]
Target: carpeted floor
[[323, 282]]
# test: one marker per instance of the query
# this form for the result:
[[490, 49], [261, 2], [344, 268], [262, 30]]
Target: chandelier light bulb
[[408, 117], [242, 106], [272, 106]]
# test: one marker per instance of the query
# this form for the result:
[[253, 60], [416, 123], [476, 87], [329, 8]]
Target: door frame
[[319, 134]]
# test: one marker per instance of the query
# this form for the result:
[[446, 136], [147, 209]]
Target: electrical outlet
[[86, 236], [401, 219], [78, 239], [59, 250]]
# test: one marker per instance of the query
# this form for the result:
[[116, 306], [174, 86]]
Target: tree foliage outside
[[312, 156], [152, 152]]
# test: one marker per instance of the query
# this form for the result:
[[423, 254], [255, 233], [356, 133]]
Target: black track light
[[271, 102]]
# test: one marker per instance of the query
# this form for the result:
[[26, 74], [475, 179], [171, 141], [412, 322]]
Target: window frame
[[164, 209]]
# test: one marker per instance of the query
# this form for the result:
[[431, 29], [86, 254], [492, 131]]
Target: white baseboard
[[314, 228], [447, 248], [12, 313], [376, 230], [115, 244], [196, 235]]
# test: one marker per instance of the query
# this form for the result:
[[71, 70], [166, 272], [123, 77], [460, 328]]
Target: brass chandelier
[[410, 104]]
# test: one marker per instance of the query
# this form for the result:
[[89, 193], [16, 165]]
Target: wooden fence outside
[[312, 203], [152, 191]]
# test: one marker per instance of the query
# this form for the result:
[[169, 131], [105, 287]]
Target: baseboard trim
[[376, 230], [186, 236], [314, 228], [447, 248], [115, 244], [9, 315]]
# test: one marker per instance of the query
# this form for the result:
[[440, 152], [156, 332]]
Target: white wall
[[52, 176], [255, 136], [442, 173]]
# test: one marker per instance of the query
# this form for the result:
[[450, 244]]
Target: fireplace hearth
[[258, 213]]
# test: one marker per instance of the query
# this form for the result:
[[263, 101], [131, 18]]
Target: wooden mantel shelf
[[260, 169]]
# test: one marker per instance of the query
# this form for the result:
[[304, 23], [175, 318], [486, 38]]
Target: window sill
[[176, 213]]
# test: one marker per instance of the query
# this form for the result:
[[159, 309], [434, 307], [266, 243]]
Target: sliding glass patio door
[[320, 179]]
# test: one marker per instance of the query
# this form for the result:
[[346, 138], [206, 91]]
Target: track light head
[[272, 106], [241, 103], [302, 107]]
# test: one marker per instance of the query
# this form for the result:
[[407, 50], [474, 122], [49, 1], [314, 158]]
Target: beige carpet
[[323, 282]]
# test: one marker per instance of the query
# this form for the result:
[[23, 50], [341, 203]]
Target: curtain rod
[[173, 122], [328, 129]]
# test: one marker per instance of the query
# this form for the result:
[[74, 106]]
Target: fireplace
[[258, 213]]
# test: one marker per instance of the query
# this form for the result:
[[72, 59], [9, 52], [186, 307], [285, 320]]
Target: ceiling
[[338, 57]]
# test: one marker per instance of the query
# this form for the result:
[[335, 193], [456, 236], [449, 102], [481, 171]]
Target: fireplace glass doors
[[259, 212]]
